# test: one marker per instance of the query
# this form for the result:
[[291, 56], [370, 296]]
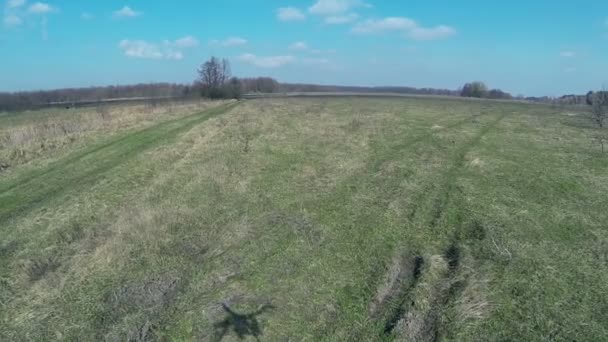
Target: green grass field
[[320, 219]]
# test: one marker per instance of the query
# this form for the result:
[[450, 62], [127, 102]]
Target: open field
[[317, 219]]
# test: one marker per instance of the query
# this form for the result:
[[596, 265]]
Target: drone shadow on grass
[[242, 325]]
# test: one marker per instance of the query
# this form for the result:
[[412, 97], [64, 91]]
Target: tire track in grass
[[387, 155], [78, 156], [448, 184], [333, 205], [422, 323], [395, 307], [85, 168], [379, 159]]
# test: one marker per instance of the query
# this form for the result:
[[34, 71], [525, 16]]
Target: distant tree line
[[260, 85], [215, 81], [32, 99], [573, 99], [300, 88]]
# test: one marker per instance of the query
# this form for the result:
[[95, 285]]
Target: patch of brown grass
[[43, 133]]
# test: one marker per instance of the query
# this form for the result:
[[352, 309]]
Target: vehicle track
[[380, 158], [84, 168], [397, 307], [429, 328]]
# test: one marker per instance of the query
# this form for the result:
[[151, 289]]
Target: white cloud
[[266, 62], [11, 20], [16, 14], [335, 7], [40, 8], [170, 50], [386, 24], [234, 41], [567, 54], [141, 49], [229, 42], [304, 47], [126, 12], [86, 16], [290, 14], [341, 19], [437, 32], [570, 70], [187, 42], [175, 55], [407, 26], [298, 46], [15, 3]]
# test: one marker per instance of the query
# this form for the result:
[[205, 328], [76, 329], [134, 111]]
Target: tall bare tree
[[214, 73]]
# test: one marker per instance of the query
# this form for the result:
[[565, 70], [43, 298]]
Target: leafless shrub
[[599, 115], [599, 108]]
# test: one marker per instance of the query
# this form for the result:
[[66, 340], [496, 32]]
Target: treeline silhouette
[[69, 97], [82, 96], [301, 87], [156, 91]]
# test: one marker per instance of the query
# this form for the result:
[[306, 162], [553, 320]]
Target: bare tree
[[213, 75], [599, 115], [599, 110]]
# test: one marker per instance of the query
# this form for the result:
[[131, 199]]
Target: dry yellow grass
[[32, 135]]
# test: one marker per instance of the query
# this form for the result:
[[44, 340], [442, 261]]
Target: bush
[[474, 89]]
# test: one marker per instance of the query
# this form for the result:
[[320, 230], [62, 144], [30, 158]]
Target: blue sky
[[540, 47]]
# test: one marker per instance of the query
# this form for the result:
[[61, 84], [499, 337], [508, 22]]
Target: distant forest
[[82, 96], [87, 96]]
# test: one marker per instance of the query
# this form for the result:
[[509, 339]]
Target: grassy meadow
[[292, 219]]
